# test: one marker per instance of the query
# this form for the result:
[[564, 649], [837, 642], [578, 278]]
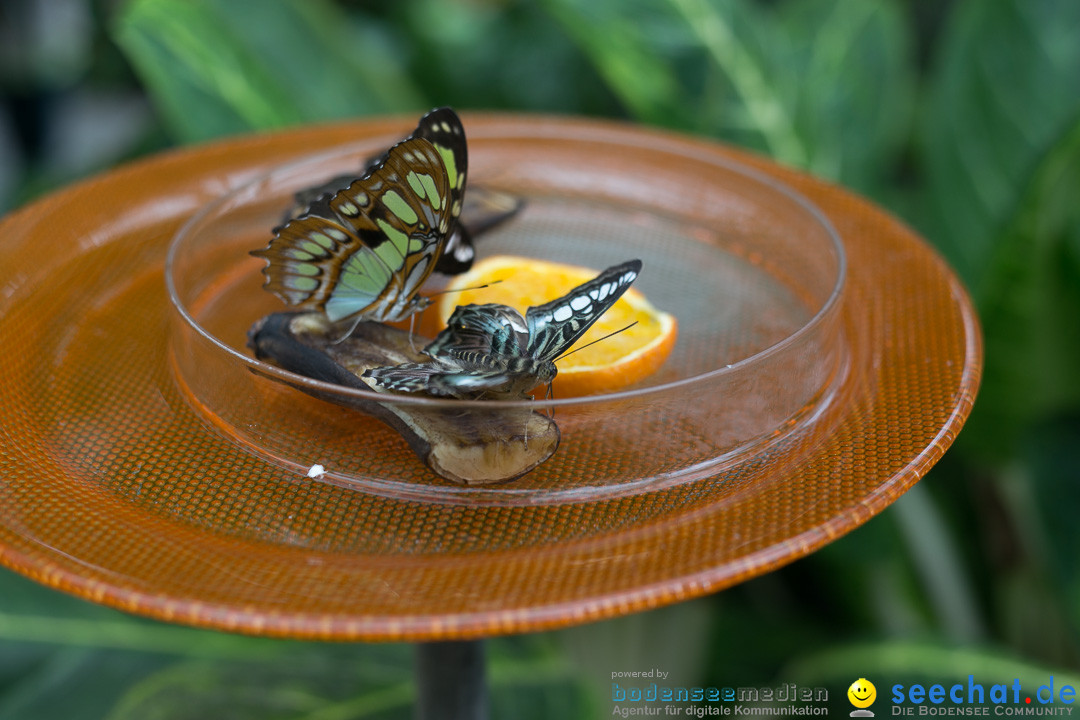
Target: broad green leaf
[[122, 633], [1016, 510], [623, 48], [74, 683], [737, 41], [22, 596], [1053, 455], [32, 615], [531, 678], [509, 55], [1030, 303], [527, 679], [853, 95], [945, 579], [1004, 90], [820, 84], [18, 663], [690, 64], [213, 71], [312, 686]]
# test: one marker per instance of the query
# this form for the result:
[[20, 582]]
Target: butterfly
[[492, 351], [442, 128], [364, 252]]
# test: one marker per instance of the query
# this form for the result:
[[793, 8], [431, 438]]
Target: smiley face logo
[[862, 694]]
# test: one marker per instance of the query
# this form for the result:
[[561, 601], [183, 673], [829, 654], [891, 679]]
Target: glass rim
[[653, 141]]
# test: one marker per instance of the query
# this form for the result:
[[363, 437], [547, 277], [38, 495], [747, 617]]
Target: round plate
[[173, 521]]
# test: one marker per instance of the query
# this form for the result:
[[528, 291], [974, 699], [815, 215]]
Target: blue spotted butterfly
[[364, 252], [492, 351]]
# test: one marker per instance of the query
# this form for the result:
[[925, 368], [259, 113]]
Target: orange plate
[[177, 523]]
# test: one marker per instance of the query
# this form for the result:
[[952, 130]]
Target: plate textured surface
[[113, 488]]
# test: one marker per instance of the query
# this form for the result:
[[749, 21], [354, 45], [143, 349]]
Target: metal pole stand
[[451, 681]]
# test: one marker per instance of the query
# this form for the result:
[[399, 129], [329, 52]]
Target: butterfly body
[[492, 351], [364, 252]]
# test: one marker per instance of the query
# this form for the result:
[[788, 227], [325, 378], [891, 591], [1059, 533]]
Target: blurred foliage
[[214, 71], [963, 117]]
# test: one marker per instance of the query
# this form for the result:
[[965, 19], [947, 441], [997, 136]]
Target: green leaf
[[1004, 90], [509, 55], [74, 683], [212, 71], [853, 95], [726, 32], [20, 595], [937, 559], [1030, 302], [531, 678], [527, 678], [821, 84], [35, 616], [622, 47], [375, 683], [1053, 457]]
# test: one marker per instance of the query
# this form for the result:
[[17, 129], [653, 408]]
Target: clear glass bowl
[[752, 271]]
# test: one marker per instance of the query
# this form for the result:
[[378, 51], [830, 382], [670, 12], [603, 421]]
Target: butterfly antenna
[[474, 287], [616, 332]]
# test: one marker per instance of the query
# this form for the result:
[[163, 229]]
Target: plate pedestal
[[451, 681]]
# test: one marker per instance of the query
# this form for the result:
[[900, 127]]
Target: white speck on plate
[[316, 471]]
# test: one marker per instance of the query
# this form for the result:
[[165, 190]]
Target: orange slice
[[613, 363]]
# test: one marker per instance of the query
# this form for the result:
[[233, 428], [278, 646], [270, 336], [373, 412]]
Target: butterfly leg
[[550, 395], [349, 332], [412, 327]]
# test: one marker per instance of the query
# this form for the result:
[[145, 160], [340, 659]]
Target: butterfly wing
[[556, 325], [492, 349], [305, 258], [490, 329], [475, 354], [442, 128], [486, 208], [482, 210], [441, 377], [367, 250], [411, 377], [304, 200], [402, 212]]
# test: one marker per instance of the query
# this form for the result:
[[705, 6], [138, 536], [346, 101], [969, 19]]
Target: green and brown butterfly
[[363, 252]]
